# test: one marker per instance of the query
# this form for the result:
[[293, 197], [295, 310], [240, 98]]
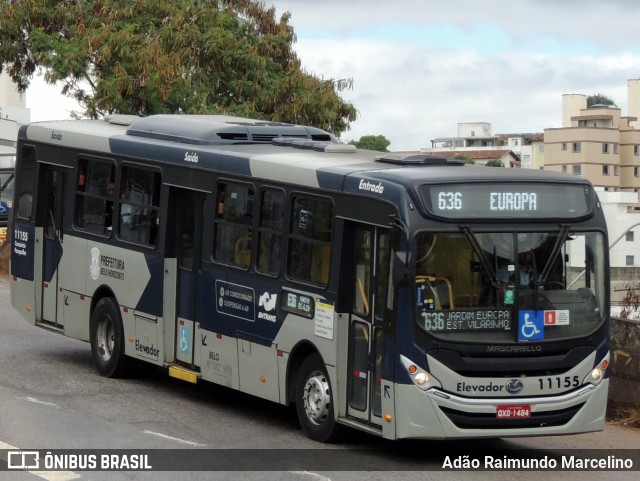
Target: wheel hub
[[105, 338], [316, 398]]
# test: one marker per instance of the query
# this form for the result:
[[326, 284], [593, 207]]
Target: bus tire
[[107, 340], [314, 401]]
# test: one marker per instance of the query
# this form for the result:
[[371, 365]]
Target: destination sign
[[298, 304], [466, 320], [507, 200]]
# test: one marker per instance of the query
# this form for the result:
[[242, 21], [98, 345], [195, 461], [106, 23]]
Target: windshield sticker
[[556, 318], [530, 325], [324, 319]]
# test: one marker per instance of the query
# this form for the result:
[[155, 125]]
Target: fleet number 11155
[[559, 382]]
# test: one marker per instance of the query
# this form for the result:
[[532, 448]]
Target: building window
[[540, 148], [636, 171], [605, 170], [564, 169], [605, 148], [577, 169], [615, 148], [616, 170], [629, 262], [576, 148], [629, 236], [636, 150], [564, 146]]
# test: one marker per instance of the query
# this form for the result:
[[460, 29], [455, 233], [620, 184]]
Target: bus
[[7, 166], [370, 290]]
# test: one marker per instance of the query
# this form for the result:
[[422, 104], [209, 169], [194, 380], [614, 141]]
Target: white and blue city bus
[[378, 291]]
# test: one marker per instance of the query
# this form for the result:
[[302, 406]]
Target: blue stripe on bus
[[152, 299]]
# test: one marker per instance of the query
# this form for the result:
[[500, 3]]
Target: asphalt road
[[51, 398]]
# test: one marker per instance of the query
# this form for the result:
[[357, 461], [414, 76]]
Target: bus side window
[[270, 231], [310, 240], [94, 199], [233, 224], [26, 177], [139, 205]]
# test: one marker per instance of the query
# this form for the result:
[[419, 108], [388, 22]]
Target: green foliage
[[494, 163], [170, 56], [599, 99], [464, 158], [372, 142]]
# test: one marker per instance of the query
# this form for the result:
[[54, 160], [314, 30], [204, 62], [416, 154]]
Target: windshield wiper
[[557, 247], [489, 271]]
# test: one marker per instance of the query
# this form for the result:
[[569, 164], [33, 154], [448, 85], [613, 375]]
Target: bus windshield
[[510, 286]]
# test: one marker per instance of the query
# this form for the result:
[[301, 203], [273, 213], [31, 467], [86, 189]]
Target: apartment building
[[13, 113], [601, 144], [475, 137], [597, 142]]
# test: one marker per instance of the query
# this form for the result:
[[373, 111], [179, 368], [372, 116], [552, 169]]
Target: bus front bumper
[[435, 414]]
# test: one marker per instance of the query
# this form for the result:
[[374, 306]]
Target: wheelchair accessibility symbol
[[530, 325], [185, 340]]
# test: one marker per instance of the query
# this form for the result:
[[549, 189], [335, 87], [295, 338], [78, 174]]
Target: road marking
[[314, 475], [48, 475], [38, 401], [177, 440]]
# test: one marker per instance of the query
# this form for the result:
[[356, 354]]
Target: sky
[[420, 67]]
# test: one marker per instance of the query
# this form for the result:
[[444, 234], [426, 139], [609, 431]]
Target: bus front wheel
[[314, 400], [107, 339]]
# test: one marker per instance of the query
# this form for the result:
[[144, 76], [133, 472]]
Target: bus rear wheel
[[107, 340], [314, 401]]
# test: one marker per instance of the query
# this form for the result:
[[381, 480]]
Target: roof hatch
[[220, 129], [417, 159]]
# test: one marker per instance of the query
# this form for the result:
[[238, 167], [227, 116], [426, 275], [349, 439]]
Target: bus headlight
[[419, 376], [598, 372], [596, 375]]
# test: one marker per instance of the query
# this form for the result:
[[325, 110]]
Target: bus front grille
[[466, 420]]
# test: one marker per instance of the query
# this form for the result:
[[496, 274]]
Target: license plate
[[513, 412]]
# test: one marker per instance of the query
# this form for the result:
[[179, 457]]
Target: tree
[[493, 163], [599, 99], [170, 56], [464, 158], [372, 142]]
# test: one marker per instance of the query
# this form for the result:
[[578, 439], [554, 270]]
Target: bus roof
[[270, 150]]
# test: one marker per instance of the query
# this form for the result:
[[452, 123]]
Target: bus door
[[189, 229], [370, 281], [49, 214]]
